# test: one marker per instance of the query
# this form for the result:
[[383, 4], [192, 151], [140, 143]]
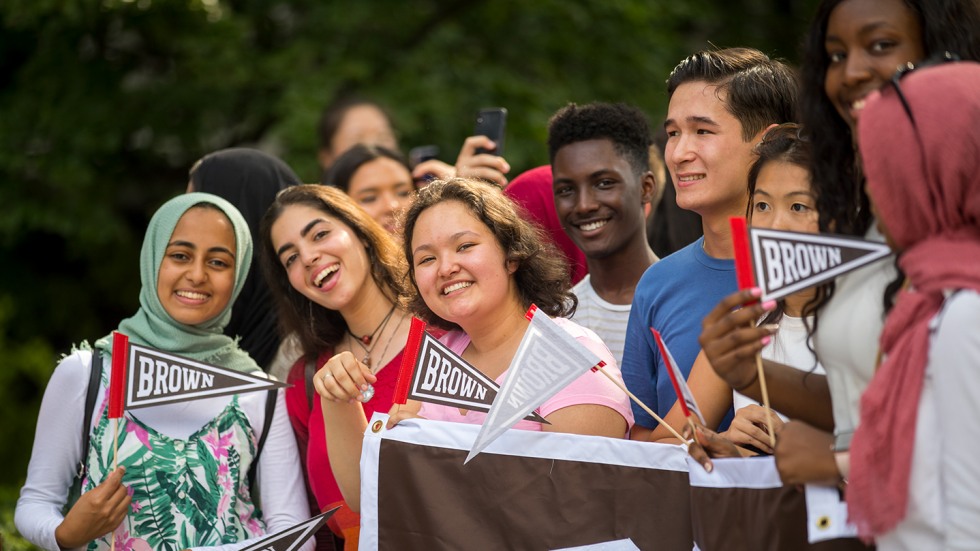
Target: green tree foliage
[[105, 104]]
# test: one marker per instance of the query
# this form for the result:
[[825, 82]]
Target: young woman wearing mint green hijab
[[182, 477]]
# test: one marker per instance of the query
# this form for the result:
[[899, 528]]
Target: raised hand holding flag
[[746, 280]]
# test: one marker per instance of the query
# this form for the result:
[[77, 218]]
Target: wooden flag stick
[[115, 465], [645, 408], [690, 423], [765, 399]]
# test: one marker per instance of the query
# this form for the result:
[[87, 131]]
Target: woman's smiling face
[[323, 258], [197, 275], [461, 270], [867, 40]]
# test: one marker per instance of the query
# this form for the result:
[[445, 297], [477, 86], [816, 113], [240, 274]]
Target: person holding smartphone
[[349, 121]]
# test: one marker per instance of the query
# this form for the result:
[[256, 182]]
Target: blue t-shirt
[[673, 296]]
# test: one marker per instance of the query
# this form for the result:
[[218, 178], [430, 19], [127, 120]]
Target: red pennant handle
[[743, 254], [117, 379], [531, 311], [409, 357], [670, 371]]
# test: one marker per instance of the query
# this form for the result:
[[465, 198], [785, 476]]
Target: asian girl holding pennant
[[182, 478], [476, 267]]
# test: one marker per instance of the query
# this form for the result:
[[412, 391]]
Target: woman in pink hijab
[[915, 459]]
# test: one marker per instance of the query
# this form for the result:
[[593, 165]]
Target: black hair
[[946, 26], [759, 91], [343, 169], [624, 125], [784, 143], [318, 328]]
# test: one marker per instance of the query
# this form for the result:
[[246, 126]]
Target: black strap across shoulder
[[91, 393], [310, 372], [95, 377], [270, 411]]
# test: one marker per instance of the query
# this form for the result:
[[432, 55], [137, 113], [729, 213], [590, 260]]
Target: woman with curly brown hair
[[476, 267]]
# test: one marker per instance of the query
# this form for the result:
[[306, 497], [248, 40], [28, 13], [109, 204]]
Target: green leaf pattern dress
[[186, 493]]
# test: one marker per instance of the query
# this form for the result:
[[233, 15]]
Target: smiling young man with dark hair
[[721, 102], [602, 180]]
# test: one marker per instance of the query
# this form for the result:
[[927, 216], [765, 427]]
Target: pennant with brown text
[[785, 262], [440, 376], [156, 378]]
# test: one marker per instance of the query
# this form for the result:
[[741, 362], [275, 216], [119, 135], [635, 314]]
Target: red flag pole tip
[[670, 372], [743, 254], [531, 311], [117, 378], [409, 358]]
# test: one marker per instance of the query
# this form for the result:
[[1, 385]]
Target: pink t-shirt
[[589, 388]]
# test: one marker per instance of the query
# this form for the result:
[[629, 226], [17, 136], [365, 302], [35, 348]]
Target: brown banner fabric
[[427, 499]]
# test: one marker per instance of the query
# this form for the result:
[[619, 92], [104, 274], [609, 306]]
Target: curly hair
[[541, 276], [624, 125], [947, 25], [759, 91], [319, 328]]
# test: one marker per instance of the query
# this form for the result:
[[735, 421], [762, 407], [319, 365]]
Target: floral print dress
[[186, 493]]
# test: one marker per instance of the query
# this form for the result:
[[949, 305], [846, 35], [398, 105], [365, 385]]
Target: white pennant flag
[[547, 360], [684, 395]]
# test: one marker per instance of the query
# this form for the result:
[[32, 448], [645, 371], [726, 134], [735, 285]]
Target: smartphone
[[491, 122], [422, 153]]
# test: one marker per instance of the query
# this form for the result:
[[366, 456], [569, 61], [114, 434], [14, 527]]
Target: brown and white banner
[[785, 262], [527, 490], [552, 491], [156, 377], [742, 505]]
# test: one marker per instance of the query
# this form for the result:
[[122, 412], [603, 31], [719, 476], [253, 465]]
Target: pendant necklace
[[366, 342], [368, 393]]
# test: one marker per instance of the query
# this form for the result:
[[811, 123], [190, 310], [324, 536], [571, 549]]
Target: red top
[[308, 425]]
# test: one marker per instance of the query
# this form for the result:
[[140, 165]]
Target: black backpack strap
[[91, 393], [94, 379], [270, 411], [310, 391]]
